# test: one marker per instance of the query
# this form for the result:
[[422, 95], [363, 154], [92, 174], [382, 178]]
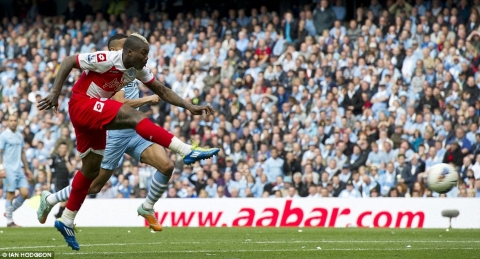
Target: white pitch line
[[107, 244], [192, 251], [251, 242], [212, 252], [362, 241]]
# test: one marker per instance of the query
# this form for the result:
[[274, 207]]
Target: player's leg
[[114, 150], [9, 208], [12, 182], [100, 181], [65, 189], [49, 200], [62, 196], [128, 117], [80, 185], [89, 117], [17, 202], [154, 155]]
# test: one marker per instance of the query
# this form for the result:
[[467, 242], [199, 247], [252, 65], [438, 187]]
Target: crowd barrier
[[247, 212]]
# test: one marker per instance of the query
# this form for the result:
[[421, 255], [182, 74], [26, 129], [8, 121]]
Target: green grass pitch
[[259, 243]]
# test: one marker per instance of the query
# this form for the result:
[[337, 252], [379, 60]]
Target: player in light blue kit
[[118, 143], [11, 151]]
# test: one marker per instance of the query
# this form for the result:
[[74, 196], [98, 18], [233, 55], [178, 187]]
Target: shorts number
[[98, 106]]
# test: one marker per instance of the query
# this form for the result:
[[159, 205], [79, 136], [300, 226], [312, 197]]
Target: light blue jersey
[[124, 141], [131, 93], [12, 145]]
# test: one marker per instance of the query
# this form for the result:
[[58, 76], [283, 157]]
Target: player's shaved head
[[135, 51], [135, 42], [114, 41]]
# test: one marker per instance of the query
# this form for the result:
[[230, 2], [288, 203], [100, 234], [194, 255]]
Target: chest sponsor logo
[[114, 84]]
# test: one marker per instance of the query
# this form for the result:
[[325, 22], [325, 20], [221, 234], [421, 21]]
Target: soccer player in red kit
[[92, 113]]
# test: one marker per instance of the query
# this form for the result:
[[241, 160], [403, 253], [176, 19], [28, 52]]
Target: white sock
[[180, 147], [68, 217]]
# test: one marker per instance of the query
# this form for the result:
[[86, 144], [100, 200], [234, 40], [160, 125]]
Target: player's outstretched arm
[[135, 103], [51, 100], [171, 97]]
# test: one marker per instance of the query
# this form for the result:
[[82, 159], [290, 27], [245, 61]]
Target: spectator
[[339, 10], [124, 189], [274, 166], [454, 154], [349, 192], [323, 16], [61, 171], [387, 180], [411, 171]]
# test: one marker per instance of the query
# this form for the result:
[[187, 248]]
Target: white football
[[442, 178]]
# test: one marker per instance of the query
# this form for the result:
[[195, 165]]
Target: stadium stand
[[309, 101]]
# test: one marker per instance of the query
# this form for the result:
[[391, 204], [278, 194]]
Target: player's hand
[[3, 174], [198, 110], [49, 102], [155, 99], [29, 174]]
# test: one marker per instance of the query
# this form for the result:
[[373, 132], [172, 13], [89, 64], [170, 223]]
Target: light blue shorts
[[15, 181], [132, 144]]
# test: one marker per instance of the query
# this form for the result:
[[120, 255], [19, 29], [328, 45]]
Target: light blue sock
[[157, 187], [17, 202], [59, 196], [9, 211]]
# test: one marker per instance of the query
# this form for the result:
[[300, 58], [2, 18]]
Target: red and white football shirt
[[104, 74]]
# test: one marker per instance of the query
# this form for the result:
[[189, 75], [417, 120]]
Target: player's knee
[[166, 167], [169, 167]]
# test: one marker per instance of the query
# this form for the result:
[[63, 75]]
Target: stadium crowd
[[308, 103]]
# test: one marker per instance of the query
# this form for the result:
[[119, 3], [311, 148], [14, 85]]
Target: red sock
[[149, 131], [80, 186]]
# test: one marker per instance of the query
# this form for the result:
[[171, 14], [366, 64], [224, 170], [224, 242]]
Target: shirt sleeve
[[100, 61], [145, 76]]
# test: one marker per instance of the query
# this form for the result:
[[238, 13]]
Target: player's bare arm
[[135, 103], [171, 97], [51, 100], [135, 54]]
